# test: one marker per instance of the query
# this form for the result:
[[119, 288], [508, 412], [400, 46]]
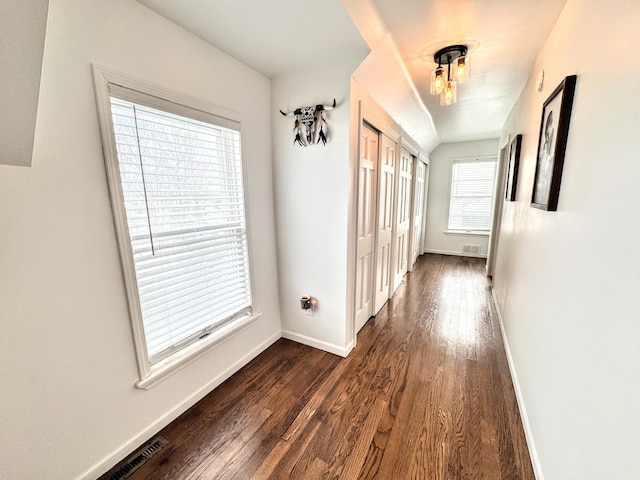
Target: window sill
[[184, 357], [472, 233]]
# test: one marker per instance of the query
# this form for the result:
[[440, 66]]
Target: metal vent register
[[137, 459], [470, 248]]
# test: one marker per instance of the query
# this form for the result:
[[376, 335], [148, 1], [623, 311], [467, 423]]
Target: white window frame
[[484, 158], [106, 82]]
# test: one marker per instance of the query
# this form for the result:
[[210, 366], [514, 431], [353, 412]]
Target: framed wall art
[[552, 143], [512, 168]]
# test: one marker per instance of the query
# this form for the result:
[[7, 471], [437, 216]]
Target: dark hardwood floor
[[426, 394]]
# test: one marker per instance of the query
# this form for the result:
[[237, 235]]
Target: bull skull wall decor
[[313, 122]]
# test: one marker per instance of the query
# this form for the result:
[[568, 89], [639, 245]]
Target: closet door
[[386, 183], [418, 211], [365, 249], [403, 218]]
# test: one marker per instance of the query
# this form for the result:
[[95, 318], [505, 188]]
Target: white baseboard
[[456, 254], [533, 452], [312, 342], [121, 452]]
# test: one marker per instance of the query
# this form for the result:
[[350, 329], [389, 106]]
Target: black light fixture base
[[446, 55]]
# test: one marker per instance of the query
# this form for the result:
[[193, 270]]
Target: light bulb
[[461, 69], [437, 81], [449, 94]]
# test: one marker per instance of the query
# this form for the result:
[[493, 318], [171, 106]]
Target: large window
[[176, 181], [471, 195]]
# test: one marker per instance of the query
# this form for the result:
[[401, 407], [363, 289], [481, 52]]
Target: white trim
[[497, 207], [466, 232], [125, 449], [187, 355], [312, 342], [455, 254], [506, 142], [407, 143], [412, 217], [476, 158], [379, 124], [101, 79], [533, 452], [425, 206], [355, 129], [104, 76]]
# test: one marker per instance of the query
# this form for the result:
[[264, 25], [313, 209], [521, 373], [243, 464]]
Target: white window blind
[[183, 196], [471, 195]]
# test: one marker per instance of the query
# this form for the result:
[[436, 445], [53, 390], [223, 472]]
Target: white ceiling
[[279, 36]]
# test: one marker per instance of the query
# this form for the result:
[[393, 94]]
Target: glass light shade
[[460, 69], [437, 81], [449, 94]]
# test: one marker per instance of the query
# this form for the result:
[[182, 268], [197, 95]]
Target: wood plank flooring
[[426, 394]]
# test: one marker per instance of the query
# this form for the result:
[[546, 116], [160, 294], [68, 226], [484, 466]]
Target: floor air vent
[[471, 249], [137, 459]]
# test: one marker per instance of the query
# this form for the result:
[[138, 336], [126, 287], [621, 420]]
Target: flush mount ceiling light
[[453, 69]]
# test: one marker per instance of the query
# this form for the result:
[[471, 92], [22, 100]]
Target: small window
[[176, 181], [471, 195]]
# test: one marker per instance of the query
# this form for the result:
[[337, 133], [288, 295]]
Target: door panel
[[418, 211], [403, 218], [386, 184], [367, 181]]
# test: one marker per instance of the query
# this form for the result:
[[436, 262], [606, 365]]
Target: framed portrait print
[[512, 169], [554, 130]]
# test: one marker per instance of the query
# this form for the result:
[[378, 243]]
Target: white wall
[[436, 240], [68, 404], [22, 30], [567, 281], [311, 198], [315, 203]]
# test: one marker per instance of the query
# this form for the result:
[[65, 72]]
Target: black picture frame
[[552, 143], [512, 168]]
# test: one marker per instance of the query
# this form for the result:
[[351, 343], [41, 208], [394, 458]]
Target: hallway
[[426, 394]]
